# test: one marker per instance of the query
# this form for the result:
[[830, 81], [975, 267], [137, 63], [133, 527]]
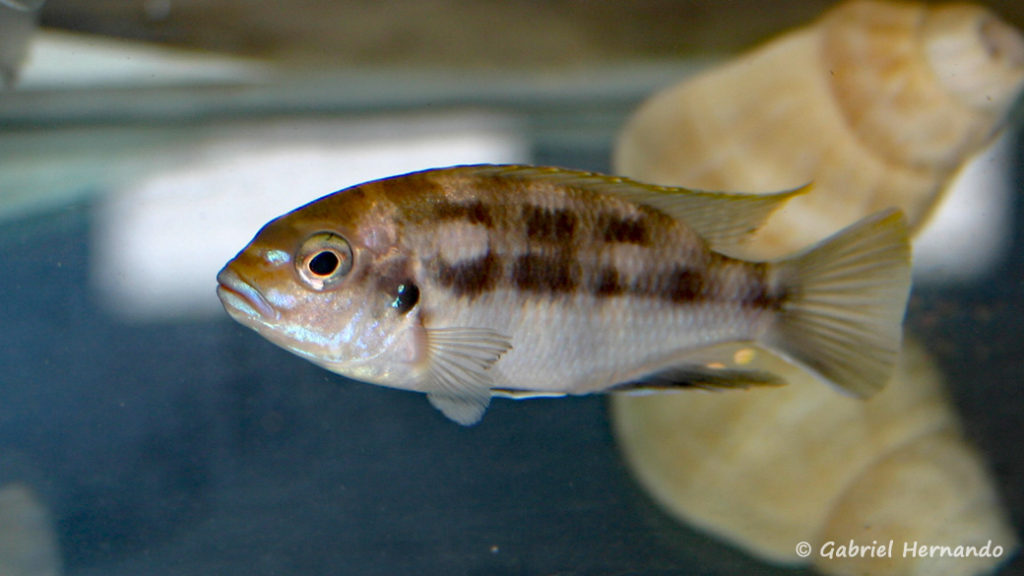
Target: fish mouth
[[241, 298]]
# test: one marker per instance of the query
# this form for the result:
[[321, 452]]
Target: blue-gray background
[[199, 448]]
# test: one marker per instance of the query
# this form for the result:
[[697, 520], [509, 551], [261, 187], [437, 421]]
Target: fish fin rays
[[698, 377], [734, 365], [466, 409], [723, 219], [845, 299], [460, 361], [515, 394]]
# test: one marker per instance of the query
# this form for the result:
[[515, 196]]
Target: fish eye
[[324, 260]]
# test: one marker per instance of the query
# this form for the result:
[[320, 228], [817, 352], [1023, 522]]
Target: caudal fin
[[845, 299]]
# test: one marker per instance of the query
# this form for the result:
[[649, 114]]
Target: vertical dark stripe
[[760, 293], [549, 225], [608, 283], [473, 277], [540, 273], [678, 284], [684, 285], [622, 229], [474, 212]]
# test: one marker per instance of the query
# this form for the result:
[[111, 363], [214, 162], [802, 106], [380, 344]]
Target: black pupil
[[324, 263]]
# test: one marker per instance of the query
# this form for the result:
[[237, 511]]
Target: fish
[[471, 282]]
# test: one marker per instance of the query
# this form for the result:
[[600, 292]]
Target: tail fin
[[845, 300]]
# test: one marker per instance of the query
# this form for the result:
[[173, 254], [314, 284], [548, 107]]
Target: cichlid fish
[[474, 281]]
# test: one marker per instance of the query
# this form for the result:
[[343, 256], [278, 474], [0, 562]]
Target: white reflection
[[159, 242], [971, 230], [66, 60]]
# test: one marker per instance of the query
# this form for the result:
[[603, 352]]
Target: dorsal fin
[[722, 219]]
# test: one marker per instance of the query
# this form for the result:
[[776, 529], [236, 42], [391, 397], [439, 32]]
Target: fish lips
[[241, 299]]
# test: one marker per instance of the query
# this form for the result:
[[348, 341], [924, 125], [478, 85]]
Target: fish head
[[327, 282]]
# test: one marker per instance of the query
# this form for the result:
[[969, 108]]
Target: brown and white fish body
[[473, 281]]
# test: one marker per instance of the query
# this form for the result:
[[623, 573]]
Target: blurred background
[[453, 33], [142, 143]]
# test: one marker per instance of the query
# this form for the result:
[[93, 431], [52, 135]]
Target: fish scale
[[544, 256], [468, 282]]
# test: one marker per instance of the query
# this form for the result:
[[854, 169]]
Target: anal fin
[[731, 365], [698, 377], [516, 394]]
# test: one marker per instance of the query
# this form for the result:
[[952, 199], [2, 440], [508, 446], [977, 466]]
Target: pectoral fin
[[460, 361]]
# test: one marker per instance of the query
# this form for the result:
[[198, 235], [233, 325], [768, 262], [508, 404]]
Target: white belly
[[579, 345]]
